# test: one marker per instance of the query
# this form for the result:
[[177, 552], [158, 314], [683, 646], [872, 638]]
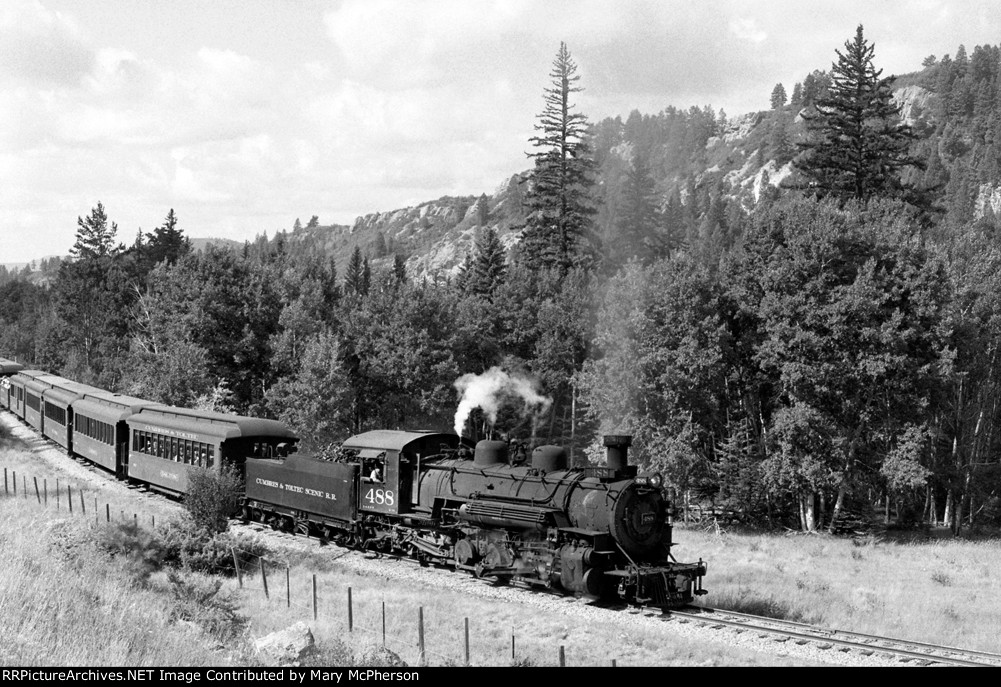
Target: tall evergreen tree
[[94, 238], [167, 242], [558, 230], [796, 99], [857, 145], [354, 277], [638, 220], [488, 266], [399, 268], [778, 96]]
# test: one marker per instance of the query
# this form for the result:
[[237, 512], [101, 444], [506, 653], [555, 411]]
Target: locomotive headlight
[[655, 480]]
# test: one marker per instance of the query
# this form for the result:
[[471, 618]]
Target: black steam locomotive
[[602, 532]]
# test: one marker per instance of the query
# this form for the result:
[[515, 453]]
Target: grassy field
[[69, 598], [931, 588]]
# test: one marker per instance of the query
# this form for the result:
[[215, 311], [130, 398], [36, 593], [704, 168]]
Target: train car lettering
[[380, 497]]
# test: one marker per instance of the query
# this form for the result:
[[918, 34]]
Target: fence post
[[384, 623], [14, 472], [420, 635], [5, 489], [236, 566], [314, 597], [83, 504], [563, 658], [350, 617], [512, 643], [264, 578], [466, 623], [38, 495], [69, 497], [45, 490], [57, 493], [24, 486], [288, 587], [107, 512]]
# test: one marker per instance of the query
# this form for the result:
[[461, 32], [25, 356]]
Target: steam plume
[[488, 390]]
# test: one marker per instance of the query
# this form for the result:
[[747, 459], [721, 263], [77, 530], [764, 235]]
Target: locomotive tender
[[600, 532]]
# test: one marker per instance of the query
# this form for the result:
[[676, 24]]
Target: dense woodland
[[823, 350]]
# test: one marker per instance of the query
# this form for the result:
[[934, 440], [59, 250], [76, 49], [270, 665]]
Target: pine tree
[[857, 146], [483, 210], [167, 242], [815, 86], [778, 96], [488, 267], [354, 277], [780, 140], [796, 100], [558, 230], [94, 238], [399, 268], [638, 219]]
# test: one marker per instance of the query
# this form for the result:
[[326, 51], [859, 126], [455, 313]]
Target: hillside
[[707, 170]]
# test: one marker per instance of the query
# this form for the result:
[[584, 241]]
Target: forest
[[819, 351]]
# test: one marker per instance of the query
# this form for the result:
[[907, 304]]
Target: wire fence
[[345, 612], [406, 629]]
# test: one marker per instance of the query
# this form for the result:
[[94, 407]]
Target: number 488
[[380, 497]]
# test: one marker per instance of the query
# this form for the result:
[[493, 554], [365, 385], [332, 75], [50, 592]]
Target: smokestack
[[617, 449]]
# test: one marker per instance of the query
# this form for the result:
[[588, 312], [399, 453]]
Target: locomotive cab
[[389, 461]]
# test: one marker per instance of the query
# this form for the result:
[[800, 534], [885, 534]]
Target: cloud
[[747, 29], [41, 46]]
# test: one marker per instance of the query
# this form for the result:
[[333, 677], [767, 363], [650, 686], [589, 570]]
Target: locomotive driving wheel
[[465, 552]]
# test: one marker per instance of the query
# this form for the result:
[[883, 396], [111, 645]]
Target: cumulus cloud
[[41, 46]]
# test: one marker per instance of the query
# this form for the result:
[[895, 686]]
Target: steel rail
[[862, 635], [815, 634]]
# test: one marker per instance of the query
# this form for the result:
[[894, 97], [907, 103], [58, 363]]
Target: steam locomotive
[[600, 532]]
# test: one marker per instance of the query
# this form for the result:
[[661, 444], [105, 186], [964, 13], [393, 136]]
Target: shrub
[[212, 499], [195, 548], [142, 552], [202, 602]]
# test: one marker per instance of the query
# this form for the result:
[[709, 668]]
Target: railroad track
[[905, 651]]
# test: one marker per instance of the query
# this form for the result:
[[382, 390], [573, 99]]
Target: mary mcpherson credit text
[[288, 675]]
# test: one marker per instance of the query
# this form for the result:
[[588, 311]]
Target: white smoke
[[487, 391]]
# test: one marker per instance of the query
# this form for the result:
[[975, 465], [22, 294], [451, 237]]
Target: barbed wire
[[248, 565]]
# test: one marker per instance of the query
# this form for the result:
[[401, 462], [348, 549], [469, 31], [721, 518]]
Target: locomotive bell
[[617, 450]]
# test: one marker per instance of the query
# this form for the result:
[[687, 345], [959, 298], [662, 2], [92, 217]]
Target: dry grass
[[60, 604], [939, 590]]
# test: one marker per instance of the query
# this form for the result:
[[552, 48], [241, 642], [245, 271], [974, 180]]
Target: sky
[[244, 115]]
